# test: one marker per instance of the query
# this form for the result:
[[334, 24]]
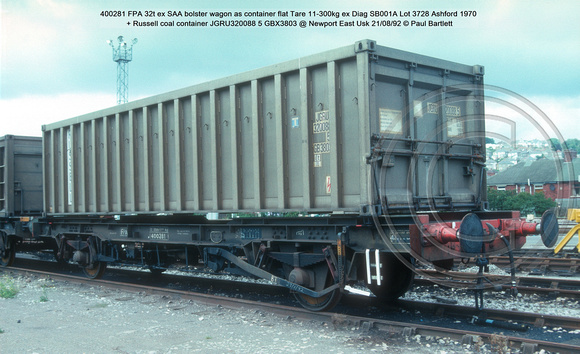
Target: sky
[[55, 62]]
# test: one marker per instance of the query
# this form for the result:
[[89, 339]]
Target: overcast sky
[[56, 64]]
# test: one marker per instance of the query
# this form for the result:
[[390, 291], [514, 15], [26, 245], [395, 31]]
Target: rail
[[363, 323]]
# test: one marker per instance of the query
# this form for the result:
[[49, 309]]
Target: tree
[[555, 144], [489, 141], [572, 144], [524, 202], [500, 200]]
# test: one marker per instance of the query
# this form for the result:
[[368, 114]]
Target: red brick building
[[557, 179]]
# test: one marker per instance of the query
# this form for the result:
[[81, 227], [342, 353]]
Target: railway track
[[540, 265], [510, 320], [544, 286], [546, 252], [535, 265], [365, 323]]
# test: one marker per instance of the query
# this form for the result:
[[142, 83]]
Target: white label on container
[[320, 136], [418, 108], [455, 127], [449, 110], [391, 121], [321, 123], [432, 108], [452, 111], [321, 148], [317, 160]]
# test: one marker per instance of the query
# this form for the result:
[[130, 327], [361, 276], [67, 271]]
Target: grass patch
[[44, 296], [8, 288], [45, 288]]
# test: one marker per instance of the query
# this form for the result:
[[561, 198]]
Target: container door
[[429, 138]]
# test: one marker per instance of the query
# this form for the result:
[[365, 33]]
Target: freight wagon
[[341, 167], [20, 190]]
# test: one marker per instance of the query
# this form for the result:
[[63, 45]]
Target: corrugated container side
[[20, 176], [290, 137]]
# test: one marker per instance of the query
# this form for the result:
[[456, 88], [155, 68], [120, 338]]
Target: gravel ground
[[557, 306], [56, 317]]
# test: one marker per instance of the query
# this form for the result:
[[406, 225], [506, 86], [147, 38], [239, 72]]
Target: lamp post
[[122, 55]]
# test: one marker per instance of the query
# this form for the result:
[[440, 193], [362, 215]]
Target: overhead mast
[[122, 55]]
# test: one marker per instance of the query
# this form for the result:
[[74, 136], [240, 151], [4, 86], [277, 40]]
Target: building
[[505, 164], [491, 164], [557, 179]]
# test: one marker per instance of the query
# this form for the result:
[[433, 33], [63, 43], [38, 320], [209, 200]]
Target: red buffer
[[445, 240]]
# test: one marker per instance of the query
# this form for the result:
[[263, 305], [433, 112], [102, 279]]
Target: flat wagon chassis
[[313, 256]]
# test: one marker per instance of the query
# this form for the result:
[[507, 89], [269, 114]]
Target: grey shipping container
[[357, 129], [20, 176]]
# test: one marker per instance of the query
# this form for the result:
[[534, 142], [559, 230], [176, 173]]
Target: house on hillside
[[499, 154], [557, 179], [536, 154], [505, 164], [491, 164]]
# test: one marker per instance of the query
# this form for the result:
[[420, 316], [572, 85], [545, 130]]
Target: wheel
[[96, 270], [317, 304], [397, 278], [323, 280], [92, 268], [7, 251]]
